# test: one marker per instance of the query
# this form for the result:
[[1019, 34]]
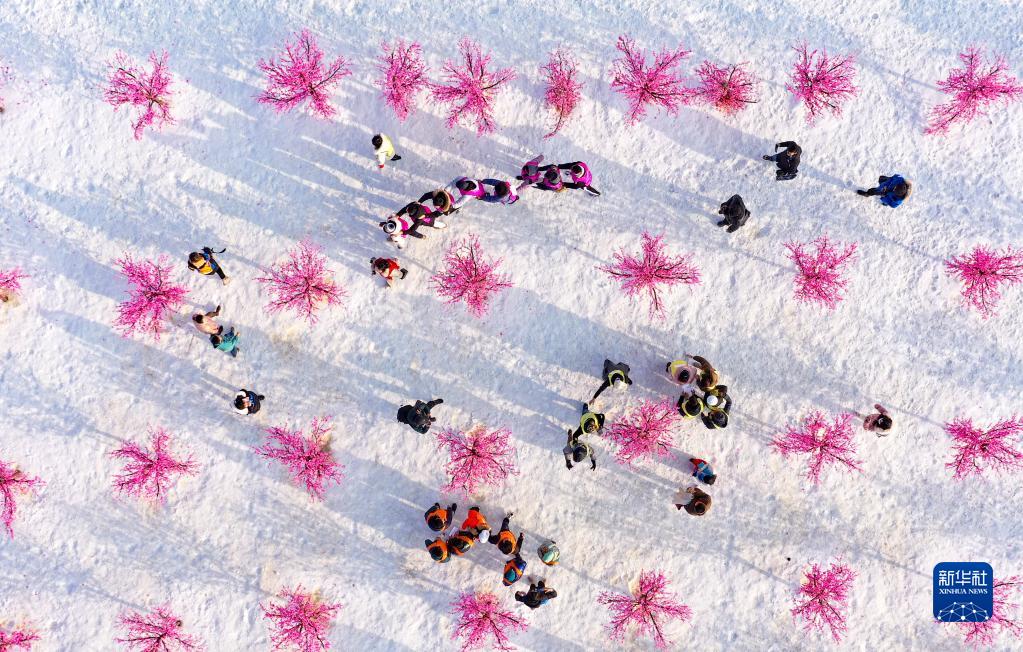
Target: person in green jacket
[[226, 342], [384, 150]]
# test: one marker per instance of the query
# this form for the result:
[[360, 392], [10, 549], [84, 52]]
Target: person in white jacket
[[462, 190], [384, 150]]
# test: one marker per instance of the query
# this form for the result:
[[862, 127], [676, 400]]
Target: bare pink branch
[[149, 91], [483, 621], [819, 274], [646, 432], [308, 458], [822, 83], [404, 75], [150, 473], [301, 623], [982, 271], [17, 639], [827, 444], [159, 631], [151, 298], [299, 75], [478, 458], [974, 88], [822, 599], [985, 634], [10, 283], [654, 269], [728, 89], [976, 450], [470, 89], [14, 482], [302, 283], [648, 607], [562, 92], [469, 276], [658, 85]]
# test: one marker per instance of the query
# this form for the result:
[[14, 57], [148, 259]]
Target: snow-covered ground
[[77, 192]]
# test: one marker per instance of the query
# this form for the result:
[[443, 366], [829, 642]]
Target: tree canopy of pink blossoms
[[822, 599], [826, 443], [404, 76], [470, 89], [299, 75], [10, 283], [652, 270], [659, 85], [149, 91], [469, 276], [13, 482], [562, 87], [822, 83], [649, 607], [17, 639], [982, 272], [976, 450], [646, 432], [729, 89], [819, 273], [151, 297], [159, 631], [302, 283], [150, 473], [483, 621], [974, 88], [307, 458], [478, 458], [301, 622], [985, 634]]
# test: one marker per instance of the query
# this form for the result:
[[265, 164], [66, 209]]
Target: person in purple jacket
[[502, 192], [581, 177]]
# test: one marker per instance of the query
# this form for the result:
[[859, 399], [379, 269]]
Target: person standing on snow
[[892, 190], [386, 267], [513, 570], [418, 416], [439, 519], [702, 471], [531, 173], [694, 500], [383, 148], [247, 401], [549, 553], [787, 160], [206, 264], [537, 595], [505, 540], [502, 192], [206, 322], [581, 177], [462, 190], [476, 524], [617, 372], [879, 423], [398, 229], [226, 342], [576, 450], [439, 550], [551, 180], [461, 543], [734, 212]]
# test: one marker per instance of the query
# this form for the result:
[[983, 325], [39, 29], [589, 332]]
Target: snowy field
[[77, 192]]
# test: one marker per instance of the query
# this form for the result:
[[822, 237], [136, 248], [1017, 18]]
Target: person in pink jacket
[[879, 422]]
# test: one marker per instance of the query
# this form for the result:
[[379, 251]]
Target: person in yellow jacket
[[204, 263], [384, 150]]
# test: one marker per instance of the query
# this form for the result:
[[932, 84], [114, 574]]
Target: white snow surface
[[78, 192]]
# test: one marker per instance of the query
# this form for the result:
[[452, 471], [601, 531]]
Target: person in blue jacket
[[226, 342], [892, 190]]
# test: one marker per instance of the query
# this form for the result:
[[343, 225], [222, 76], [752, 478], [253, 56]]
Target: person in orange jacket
[[514, 568], [439, 551], [439, 519], [461, 543], [505, 540]]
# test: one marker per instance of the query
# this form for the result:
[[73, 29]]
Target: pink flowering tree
[[729, 89], [469, 276], [151, 297], [562, 87], [307, 457], [974, 88], [158, 631], [478, 458], [653, 269], [820, 269], [17, 639], [404, 76], [302, 284], [982, 272], [10, 283], [976, 450], [483, 621], [649, 607], [660, 84], [149, 473], [646, 432], [301, 622], [826, 443], [822, 83], [149, 92], [822, 599], [299, 75], [985, 634], [470, 89], [13, 482]]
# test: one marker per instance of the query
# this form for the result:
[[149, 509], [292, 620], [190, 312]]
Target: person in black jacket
[[787, 160], [537, 595], [614, 372], [247, 401], [735, 213], [418, 416]]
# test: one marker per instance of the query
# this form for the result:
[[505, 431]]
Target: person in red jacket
[[476, 524], [386, 267]]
